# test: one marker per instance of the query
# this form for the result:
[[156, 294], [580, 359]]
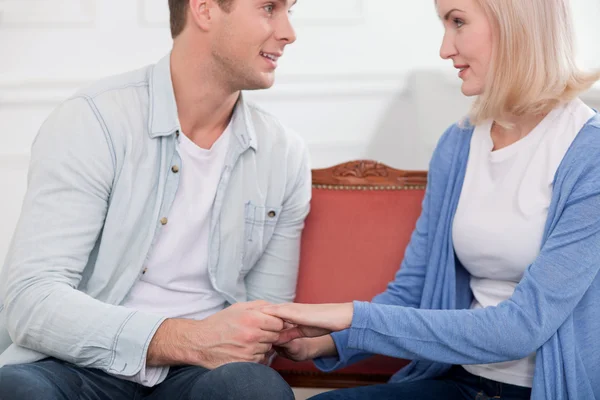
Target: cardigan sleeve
[[549, 291]]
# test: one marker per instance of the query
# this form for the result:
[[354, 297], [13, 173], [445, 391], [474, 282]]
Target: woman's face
[[467, 42]]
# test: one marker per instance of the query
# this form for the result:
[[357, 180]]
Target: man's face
[[248, 40]]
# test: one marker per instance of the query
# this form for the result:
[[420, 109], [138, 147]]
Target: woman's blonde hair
[[533, 66]]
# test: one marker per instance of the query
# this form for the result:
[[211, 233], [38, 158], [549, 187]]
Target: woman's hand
[[311, 320], [296, 350], [307, 348]]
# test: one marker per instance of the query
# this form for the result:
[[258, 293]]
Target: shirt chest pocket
[[259, 225]]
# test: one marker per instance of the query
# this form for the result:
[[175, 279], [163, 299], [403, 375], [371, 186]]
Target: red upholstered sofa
[[362, 216]]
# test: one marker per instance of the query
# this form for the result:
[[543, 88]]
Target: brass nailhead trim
[[364, 187]]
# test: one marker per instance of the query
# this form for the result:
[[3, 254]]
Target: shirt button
[[144, 271], [177, 133], [175, 169], [164, 220], [272, 214]]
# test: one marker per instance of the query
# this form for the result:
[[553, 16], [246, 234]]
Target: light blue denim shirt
[[101, 184]]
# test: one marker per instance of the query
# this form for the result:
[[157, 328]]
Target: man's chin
[[257, 87], [265, 81]]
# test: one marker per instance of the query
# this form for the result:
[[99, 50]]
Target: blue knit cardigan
[[424, 314]]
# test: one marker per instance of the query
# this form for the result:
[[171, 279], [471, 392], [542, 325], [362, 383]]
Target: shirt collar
[[164, 119]]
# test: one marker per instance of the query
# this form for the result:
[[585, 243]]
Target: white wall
[[363, 80]]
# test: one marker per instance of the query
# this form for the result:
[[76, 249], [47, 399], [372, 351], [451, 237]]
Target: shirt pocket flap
[[260, 222]]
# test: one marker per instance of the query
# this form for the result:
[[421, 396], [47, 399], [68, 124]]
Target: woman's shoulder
[[455, 139], [581, 163], [586, 145], [590, 133]]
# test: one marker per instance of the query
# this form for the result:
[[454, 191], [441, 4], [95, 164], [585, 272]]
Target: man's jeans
[[52, 379]]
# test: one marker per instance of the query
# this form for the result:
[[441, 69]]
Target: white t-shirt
[[501, 215], [176, 283]]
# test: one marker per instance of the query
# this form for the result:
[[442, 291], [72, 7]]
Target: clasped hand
[[307, 326], [250, 332]]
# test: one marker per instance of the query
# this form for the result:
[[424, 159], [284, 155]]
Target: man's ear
[[201, 13]]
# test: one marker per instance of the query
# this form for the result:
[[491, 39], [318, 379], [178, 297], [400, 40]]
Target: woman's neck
[[520, 126]]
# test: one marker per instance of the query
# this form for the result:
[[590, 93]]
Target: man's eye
[[269, 8]]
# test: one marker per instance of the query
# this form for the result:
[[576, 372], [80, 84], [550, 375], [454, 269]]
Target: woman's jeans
[[456, 384]]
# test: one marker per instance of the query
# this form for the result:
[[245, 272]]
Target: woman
[[498, 293]]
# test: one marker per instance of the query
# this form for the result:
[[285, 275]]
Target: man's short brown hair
[[178, 10]]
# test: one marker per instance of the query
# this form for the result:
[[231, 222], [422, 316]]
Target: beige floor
[[303, 394]]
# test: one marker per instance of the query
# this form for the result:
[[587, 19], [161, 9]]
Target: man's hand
[[240, 333]]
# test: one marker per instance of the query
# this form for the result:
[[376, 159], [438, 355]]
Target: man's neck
[[204, 103]]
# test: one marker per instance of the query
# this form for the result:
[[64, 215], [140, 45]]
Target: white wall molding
[[26, 93], [293, 87], [30, 93], [155, 13], [323, 154], [47, 14]]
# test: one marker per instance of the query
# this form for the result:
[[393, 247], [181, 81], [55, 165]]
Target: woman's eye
[[458, 22]]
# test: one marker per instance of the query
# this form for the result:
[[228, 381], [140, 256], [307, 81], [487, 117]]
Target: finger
[[271, 353], [288, 325], [270, 323], [311, 331], [268, 337], [263, 348], [328, 316], [259, 358], [292, 312], [290, 350], [287, 336], [269, 357]]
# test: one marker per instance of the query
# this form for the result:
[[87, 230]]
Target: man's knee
[[243, 381], [27, 382]]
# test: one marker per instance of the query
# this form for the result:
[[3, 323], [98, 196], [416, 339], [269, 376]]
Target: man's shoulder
[[138, 78], [117, 105]]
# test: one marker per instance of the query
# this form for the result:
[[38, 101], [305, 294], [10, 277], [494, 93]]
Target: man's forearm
[[41, 318], [168, 346]]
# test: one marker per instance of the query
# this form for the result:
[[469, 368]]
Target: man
[[156, 199]]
